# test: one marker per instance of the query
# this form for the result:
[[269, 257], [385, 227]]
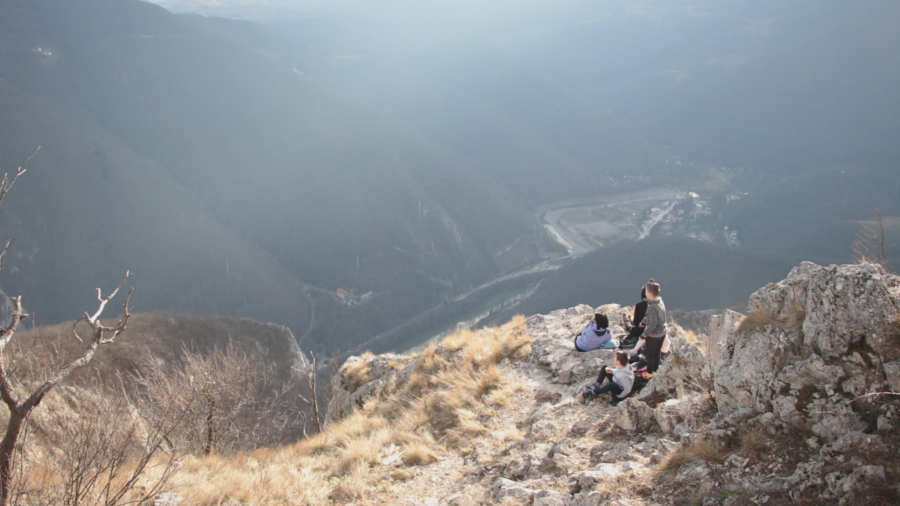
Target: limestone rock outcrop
[[794, 402], [364, 377], [818, 349]]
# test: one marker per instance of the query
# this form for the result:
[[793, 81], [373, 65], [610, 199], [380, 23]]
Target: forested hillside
[[781, 86], [472, 98], [224, 181]]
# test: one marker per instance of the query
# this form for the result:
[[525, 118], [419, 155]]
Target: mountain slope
[[89, 208], [472, 98], [779, 86], [325, 192]]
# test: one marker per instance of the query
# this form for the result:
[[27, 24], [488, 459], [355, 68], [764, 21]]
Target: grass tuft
[[418, 454], [452, 390], [702, 449], [357, 373], [753, 443], [757, 319], [793, 316], [893, 338]]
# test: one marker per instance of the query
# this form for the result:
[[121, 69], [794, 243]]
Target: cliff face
[[818, 350], [793, 403]]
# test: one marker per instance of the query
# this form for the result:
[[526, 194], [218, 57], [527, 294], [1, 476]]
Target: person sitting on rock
[[639, 364], [634, 327], [655, 328], [596, 336], [621, 379]]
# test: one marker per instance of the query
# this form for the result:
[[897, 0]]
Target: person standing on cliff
[[655, 328]]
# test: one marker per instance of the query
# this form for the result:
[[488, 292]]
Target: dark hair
[[622, 357], [653, 288], [601, 320], [644, 293]]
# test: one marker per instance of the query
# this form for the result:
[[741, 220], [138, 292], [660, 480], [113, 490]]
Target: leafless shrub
[[101, 453], [871, 246], [230, 402], [20, 401]]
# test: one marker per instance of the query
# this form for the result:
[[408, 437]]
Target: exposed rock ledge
[[794, 403]]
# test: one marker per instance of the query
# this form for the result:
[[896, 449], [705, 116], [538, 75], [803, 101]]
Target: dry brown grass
[[753, 443], [690, 336], [793, 316], [702, 449], [451, 393], [757, 319], [893, 339], [358, 373], [417, 454]]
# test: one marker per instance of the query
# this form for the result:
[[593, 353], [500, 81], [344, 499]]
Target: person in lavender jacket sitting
[[596, 336]]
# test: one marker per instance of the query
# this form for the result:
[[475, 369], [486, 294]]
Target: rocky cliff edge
[[792, 403]]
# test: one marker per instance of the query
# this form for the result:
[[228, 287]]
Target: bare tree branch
[[20, 410], [6, 184], [871, 245]]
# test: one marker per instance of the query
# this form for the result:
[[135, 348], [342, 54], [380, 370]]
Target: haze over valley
[[367, 174]]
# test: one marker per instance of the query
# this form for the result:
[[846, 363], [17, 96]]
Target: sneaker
[[614, 401], [586, 395]]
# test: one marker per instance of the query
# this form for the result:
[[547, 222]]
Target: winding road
[[552, 216]]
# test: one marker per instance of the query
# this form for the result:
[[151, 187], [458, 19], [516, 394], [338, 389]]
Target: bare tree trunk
[[210, 418], [20, 409], [315, 395], [311, 373], [7, 453]]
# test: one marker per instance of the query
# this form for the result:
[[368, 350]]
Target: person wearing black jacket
[[640, 310], [635, 328]]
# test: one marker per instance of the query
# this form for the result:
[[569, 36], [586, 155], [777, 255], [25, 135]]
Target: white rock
[[892, 373], [844, 309], [547, 498], [634, 414]]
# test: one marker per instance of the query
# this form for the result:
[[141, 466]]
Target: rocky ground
[[791, 404]]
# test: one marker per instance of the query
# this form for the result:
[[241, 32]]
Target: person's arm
[[651, 322]]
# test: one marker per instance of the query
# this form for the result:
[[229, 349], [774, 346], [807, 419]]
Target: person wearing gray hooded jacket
[[621, 380], [655, 328]]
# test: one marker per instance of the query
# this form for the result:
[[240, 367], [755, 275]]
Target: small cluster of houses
[[351, 299], [42, 50]]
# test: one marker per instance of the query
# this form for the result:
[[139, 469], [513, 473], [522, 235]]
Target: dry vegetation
[[757, 318], [702, 449], [114, 438], [793, 316], [893, 338], [452, 390], [750, 443], [76, 459]]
